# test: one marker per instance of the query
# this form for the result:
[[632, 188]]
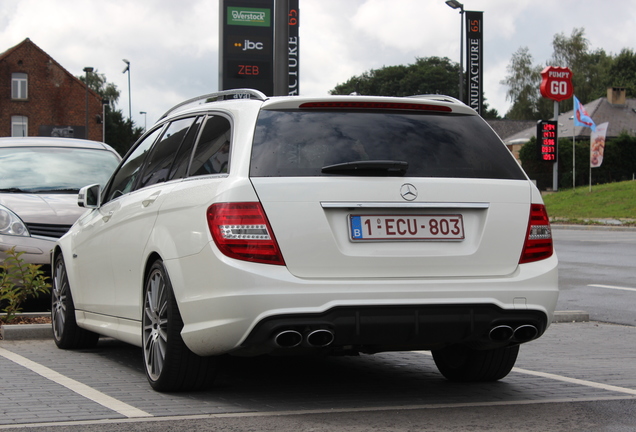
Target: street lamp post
[[144, 114], [457, 5], [127, 69], [88, 70]]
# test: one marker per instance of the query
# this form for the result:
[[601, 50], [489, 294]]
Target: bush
[[619, 162], [18, 282]]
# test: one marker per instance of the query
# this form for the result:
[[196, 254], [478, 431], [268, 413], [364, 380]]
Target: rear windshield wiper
[[368, 168]]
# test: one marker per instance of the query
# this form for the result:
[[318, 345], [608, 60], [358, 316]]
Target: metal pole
[[127, 69], [461, 54], [573, 155], [455, 4], [88, 70]]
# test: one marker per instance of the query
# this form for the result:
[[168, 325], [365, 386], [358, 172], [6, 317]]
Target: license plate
[[406, 227]]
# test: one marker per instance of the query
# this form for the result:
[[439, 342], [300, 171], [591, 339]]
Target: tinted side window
[[182, 159], [213, 150], [163, 153], [128, 172], [301, 143]]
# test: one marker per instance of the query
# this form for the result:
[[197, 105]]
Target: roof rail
[[438, 97], [242, 93]]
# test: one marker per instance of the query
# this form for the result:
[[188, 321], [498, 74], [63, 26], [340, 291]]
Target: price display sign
[[547, 140]]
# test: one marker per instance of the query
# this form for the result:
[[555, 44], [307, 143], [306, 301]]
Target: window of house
[[19, 126], [19, 86]]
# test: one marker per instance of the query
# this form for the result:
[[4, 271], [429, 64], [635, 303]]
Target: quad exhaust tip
[[288, 339], [504, 333], [315, 339], [320, 338]]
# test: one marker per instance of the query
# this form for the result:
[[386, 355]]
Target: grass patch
[[606, 201]]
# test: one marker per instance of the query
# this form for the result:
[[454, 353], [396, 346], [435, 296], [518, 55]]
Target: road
[[597, 273], [577, 377]]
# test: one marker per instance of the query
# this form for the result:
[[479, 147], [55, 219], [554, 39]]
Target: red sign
[[556, 83]]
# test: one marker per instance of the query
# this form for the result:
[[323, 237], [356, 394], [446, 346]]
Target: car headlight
[[11, 224]]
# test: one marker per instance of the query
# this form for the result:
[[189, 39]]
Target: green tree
[[121, 134], [523, 82], [590, 68], [431, 75], [619, 162], [623, 71], [593, 72]]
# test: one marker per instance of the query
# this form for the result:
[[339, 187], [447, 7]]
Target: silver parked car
[[40, 178]]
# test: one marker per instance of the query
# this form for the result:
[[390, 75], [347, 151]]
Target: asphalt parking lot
[[572, 362]]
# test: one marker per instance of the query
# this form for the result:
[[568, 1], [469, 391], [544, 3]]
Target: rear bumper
[[238, 307], [398, 328]]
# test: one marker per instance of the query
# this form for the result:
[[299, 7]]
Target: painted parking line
[[577, 381], [76, 386], [612, 287]]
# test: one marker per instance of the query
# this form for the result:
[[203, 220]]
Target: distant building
[[38, 97], [616, 109]]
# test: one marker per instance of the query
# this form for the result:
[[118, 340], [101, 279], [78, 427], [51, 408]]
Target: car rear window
[[301, 143]]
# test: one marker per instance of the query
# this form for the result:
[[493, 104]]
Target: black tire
[[66, 333], [462, 364], [169, 363]]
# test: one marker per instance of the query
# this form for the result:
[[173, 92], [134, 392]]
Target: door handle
[[151, 199]]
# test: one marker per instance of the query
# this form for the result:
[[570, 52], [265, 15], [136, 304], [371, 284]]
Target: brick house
[[38, 97]]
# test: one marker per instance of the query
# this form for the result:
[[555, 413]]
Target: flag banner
[[597, 145], [581, 117]]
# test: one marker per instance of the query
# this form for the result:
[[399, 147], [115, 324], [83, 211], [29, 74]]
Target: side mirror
[[89, 196]]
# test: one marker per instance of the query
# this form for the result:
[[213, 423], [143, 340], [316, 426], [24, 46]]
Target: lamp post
[[144, 114], [457, 5], [127, 69], [88, 70]]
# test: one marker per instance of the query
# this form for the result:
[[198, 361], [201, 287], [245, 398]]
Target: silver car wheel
[[155, 324], [59, 301]]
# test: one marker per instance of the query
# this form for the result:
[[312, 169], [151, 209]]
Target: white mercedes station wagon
[[247, 225]]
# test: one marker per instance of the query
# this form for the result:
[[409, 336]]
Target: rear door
[[395, 192]]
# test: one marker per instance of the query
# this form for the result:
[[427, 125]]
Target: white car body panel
[[223, 300]]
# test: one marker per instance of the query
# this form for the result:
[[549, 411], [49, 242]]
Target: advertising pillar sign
[[475, 60], [547, 140], [293, 50], [247, 36]]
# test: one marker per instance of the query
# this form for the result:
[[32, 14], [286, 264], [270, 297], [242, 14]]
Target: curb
[[14, 332], [570, 316]]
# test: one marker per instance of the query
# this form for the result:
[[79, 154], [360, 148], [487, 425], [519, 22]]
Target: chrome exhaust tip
[[502, 333], [288, 339], [320, 338], [526, 333]]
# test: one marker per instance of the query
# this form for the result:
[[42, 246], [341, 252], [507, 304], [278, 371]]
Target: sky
[[173, 48]]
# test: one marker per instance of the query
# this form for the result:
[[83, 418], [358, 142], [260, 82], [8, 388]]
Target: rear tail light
[[241, 231], [538, 245]]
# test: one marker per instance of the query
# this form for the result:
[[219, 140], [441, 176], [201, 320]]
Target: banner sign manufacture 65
[[475, 59]]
